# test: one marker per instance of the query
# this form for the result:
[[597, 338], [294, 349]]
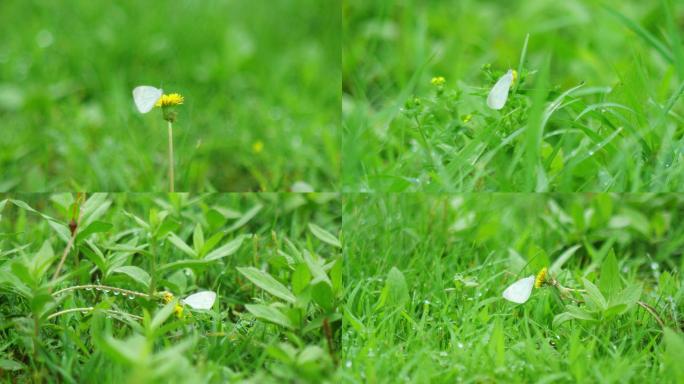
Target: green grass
[[425, 275], [273, 259], [250, 71], [597, 108]]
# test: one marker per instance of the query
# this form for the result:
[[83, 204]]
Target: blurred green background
[[261, 81], [392, 48]]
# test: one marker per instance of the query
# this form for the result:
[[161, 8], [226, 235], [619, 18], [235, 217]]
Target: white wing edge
[[143, 102], [520, 291], [201, 300], [499, 94]]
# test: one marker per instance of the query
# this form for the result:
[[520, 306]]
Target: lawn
[[424, 278], [261, 82], [596, 105], [109, 311]]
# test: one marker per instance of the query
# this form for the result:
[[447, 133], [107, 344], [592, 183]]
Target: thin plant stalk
[[127, 292], [171, 174]]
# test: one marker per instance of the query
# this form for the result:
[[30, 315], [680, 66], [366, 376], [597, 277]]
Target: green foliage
[[260, 81], [571, 122], [116, 311], [440, 263]]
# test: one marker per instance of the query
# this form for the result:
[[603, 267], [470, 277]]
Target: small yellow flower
[[167, 297], [258, 146], [438, 81], [170, 100], [178, 310], [541, 277]]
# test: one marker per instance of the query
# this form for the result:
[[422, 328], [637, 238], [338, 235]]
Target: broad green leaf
[[324, 235], [226, 249], [62, 230], [181, 245], [316, 269], [594, 296], [571, 312], [395, 293], [142, 223], [94, 208], [354, 321], [628, 296], [249, 215], [198, 238], [561, 318], [10, 365], [266, 282], [134, 273], [93, 253], [496, 344], [161, 315], [133, 351], [609, 282], [300, 278], [42, 260], [271, 314], [94, 227], [311, 354], [614, 310], [674, 353], [323, 295], [564, 257]]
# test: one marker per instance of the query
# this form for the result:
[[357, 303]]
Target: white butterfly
[[146, 97], [519, 292], [200, 300], [499, 94]]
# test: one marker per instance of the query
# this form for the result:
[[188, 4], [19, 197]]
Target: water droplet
[[84, 312], [426, 302], [105, 290], [98, 288], [131, 297], [591, 153], [89, 288], [116, 293]]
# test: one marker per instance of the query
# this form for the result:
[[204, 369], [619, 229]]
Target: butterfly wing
[[145, 97], [519, 292], [201, 300], [499, 94]]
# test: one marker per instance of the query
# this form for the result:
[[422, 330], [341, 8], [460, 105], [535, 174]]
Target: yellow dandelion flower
[[258, 146], [438, 81], [541, 278], [170, 100], [167, 297]]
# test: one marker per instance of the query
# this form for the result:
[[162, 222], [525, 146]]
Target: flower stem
[[103, 287], [171, 176], [88, 309]]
